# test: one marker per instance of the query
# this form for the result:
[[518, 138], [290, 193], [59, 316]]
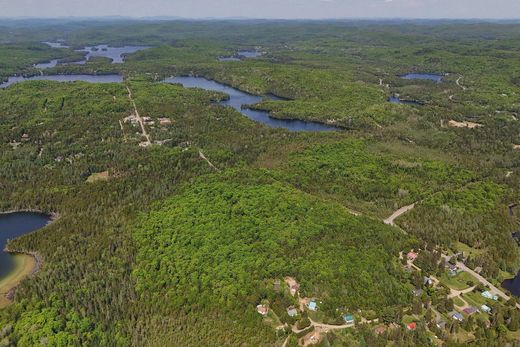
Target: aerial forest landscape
[[272, 179]]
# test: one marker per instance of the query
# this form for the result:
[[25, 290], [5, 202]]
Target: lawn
[[459, 282], [458, 301], [477, 300], [467, 250]]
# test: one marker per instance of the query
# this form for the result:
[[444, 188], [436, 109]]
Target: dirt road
[[390, 220], [139, 119]]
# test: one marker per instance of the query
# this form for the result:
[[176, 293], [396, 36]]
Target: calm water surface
[[238, 98], [423, 76], [13, 225]]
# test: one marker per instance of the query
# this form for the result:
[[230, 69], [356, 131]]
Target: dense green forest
[[182, 239]]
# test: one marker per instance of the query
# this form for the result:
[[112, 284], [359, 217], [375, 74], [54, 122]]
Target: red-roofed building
[[411, 256], [411, 326]]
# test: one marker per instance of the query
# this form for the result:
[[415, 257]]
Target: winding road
[[391, 220]]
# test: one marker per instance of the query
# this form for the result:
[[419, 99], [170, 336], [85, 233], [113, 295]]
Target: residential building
[[262, 309], [485, 308], [292, 311], [457, 316], [470, 310], [487, 294], [411, 326], [312, 306], [348, 318]]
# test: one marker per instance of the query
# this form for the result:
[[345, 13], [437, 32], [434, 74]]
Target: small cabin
[[348, 318]]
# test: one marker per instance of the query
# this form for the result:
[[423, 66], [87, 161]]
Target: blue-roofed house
[[348, 318], [313, 306], [457, 316]]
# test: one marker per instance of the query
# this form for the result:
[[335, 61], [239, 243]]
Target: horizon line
[[238, 18]]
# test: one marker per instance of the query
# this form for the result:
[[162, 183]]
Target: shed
[[312, 306], [348, 318]]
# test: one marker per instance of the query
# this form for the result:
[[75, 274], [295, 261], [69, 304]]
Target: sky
[[287, 9]]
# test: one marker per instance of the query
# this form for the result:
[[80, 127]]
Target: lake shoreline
[[29, 262]]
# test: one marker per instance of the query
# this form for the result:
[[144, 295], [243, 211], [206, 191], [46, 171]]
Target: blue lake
[[423, 76], [237, 100], [116, 54], [13, 225]]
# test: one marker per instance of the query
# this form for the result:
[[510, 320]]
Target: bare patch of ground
[[99, 176], [465, 124]]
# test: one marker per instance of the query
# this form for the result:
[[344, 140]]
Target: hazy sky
[[264, 8]]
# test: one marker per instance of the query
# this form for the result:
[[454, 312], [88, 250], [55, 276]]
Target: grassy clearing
[[459, 282]]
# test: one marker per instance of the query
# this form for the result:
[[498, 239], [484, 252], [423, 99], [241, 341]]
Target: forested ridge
[[154, 245]]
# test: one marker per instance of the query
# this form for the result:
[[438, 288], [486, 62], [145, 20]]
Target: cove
[[14, 267], [238, 99], [397, 100], [65, 78], [116, 54], [513, 285], [423, 76]]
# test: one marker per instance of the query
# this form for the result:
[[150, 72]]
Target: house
[[417, 292], [292, 311], [348, 318], [478, 269], [25, 137], [485, 308], [453, 267], [411, 256], [457, 316], [411, 326], [428, 281], [487, 294], [470, 310], [294, 289], [262, 309], [312, 306]]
